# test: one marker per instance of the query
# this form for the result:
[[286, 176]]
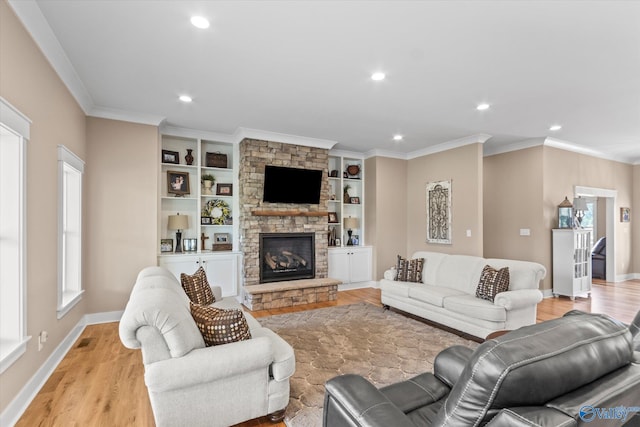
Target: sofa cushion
[[492, 282], [461, 272], [220, 326], [433, 295], [399, 289], [476, 308], [197, 287], [432, 262]]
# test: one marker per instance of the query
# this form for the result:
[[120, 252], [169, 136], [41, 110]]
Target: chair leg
[[277, 416]]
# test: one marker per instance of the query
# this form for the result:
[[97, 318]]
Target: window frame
[[14, 344], [68, 296]]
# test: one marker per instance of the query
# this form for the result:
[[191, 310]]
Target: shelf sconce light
[[178, 223]]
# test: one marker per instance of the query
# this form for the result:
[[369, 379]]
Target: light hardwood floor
[[101, 383]]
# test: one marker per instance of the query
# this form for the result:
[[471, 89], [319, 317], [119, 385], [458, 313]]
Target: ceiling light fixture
[[555, 127], [185, 98], [397, 137], [378, 76], [482, 107], [200, 22]]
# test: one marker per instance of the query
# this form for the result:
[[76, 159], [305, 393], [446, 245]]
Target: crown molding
[[264, 135], [346, 153], [377, 152], [478, 138], [125, 116], [195, 134], [492, 150], [570, 146], [35, 23]]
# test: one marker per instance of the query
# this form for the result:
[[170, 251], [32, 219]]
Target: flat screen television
[[291, 185]]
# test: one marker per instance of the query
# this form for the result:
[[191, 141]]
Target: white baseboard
[[359, 285], [630, 276], [21, 402], [547, 293]]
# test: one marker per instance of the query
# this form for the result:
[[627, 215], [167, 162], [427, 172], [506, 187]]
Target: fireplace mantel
[[287, 213]]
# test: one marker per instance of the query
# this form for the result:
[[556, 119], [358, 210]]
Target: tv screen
[[291, 185]]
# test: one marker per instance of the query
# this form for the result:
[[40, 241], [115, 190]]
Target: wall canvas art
[[439, 212]]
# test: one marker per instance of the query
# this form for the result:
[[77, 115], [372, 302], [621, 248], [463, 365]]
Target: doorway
[[609, 198]]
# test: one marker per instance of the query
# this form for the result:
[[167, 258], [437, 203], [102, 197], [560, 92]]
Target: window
[[70, 170], [14, 133]]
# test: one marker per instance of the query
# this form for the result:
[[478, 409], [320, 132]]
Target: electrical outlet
[[468, 233], [525, 232]]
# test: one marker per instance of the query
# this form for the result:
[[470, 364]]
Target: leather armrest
[[450, 362], [511, 300], [530, 416], [351, 400]]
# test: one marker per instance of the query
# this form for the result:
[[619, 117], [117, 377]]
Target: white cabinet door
[[338, 261], [222, 270], [177, 264], [360, 263]]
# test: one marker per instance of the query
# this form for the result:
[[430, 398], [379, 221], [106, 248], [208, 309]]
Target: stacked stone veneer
[[254, 156]]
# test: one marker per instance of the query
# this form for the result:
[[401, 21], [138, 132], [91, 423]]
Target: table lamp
[[178, 223], [351, 223]]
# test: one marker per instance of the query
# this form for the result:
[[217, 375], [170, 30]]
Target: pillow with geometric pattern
[[492, 282], [197, 287], [220, 326], [409, 270]]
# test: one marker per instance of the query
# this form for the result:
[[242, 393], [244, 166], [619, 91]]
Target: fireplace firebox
[[287, 256]]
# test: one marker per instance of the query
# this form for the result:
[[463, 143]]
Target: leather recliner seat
[[548, 374]]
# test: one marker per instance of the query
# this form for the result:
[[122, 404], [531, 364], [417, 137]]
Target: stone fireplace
[[286, 256]]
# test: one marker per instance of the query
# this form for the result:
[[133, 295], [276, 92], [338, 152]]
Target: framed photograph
[[355, 200], [333, 218], [439, 212], [338, 242], [221, 238], [205, 220], [356, 240], [178, 183], [625, 214], [224, 190], [166, 245], [170, 157]]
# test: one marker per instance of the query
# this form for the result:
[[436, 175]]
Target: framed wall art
[[625, 214], [224, 189], [178, 183], [170, 157], [439, 212]]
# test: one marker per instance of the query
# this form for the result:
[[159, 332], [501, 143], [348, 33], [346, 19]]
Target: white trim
[[345, 153], [547, 293], [35, 23], [492, 150], [628, 276], [14, 119], [385, 153], [479, 138], [25, 396], [196, 134], [125, 116], [576, 148], [67, 156], [264, 135], [64, 308], [19, 348], [358, 285]]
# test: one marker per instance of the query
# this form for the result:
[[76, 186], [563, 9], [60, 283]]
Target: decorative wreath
[[218, 210]]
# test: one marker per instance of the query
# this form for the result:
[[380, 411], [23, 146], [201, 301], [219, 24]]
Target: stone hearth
[[290, 293]]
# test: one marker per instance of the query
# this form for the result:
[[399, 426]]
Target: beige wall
[[463, 166], [121, 205], [28, 82], [513, 192], [635, 219], [563, 170], [386, 219]]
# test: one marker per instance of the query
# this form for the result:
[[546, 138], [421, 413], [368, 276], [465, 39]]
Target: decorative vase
[[346, 198], [207, 186], [189, 157]]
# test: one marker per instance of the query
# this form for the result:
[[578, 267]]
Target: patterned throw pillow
[[492, 282], [219, 326], [197, 287], [409, 270]]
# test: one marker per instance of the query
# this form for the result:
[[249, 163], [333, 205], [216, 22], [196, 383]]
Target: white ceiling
[[303, 68]]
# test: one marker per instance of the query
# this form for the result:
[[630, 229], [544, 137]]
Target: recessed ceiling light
[[377, 76], [555, 127], [200, 22], [482, 107], [185, 98], [397, 137]]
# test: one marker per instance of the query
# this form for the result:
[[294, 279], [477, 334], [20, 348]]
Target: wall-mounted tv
[[291, 185]]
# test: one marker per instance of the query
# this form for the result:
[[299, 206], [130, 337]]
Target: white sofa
[[447, 293], [193, 385]]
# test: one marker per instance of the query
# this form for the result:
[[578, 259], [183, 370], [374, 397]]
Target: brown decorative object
[[197, 287], [189, 157], [224, 189], [287, 213], [170, 157], [333, 217], [216, 160], [178, 183], [354, 200], [221, 247], [334, 173], [203, 237], [353, 170], [220, 326]]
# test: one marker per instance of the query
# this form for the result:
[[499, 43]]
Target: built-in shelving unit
[[346, 176]]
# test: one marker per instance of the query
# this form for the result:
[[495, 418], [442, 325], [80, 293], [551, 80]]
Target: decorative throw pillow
[[492, 282], [197, 287], [409, 270], [220, 326]]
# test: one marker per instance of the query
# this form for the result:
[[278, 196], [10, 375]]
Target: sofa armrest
[[512, 300], [450, 362], [209, 364], [391, 274], [531, 416], [217, 292], [351, 400]]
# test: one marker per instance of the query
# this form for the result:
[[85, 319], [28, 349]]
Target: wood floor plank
[[101, 383]]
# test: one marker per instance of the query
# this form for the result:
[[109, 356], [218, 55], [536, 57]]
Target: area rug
[[383, 346]]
